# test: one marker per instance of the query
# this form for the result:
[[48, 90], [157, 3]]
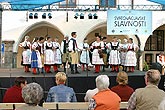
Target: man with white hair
[[148, 97], [105, 98]]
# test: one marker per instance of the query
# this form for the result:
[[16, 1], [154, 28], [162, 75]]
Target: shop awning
[[162, 2], [29, 4]]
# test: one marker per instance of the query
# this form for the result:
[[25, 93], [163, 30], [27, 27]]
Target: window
[[155, 42], [67, 4], [108, 3]]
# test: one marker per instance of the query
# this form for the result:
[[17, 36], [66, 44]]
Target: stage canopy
[[29, 4], [162, 2]]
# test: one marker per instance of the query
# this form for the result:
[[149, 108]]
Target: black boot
[[64, 67], [71, 66], [76, 71]]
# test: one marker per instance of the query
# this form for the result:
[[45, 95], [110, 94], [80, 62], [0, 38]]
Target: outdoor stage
[[79, 82]]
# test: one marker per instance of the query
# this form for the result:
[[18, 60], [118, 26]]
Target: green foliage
[[145, 66]]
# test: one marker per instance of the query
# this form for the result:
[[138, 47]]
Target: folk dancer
[[35, 57], [105, 53], [161, 60], [123, 52], [48, 54], [41, 50], [84, 57], [114, 56], [131, 60], [66, 58], [97, 56], [26, 54], [57, 55], [73, 49]]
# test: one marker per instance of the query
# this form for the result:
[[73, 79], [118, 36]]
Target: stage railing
[[57, 106]]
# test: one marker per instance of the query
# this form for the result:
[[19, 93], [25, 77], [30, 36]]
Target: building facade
[[17, 24]]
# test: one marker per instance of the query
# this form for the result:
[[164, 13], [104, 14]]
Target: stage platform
[[79, 82]]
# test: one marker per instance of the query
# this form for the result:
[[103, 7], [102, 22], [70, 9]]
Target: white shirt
[[90, 94], [71, 45]]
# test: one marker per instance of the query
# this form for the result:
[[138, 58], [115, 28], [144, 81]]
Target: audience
[[162, 105], [13, 94], [32, 94], [90, 94], [105, 99], [122, 89], [148, 97], [61, 93]]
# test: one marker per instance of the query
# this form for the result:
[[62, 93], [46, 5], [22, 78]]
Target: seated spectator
[[13, 94], [32, 94], [105, 99], [61, 93], [90, 94], [162, 105], [122, 89], [149, 97]]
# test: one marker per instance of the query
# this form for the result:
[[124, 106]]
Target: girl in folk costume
[[57, 55], [114, 56], [35, 57], [161, 60], [26, 55], [84, 57], [41, 51], [123, 52], [48, 55], [97, 57], [131, 60]]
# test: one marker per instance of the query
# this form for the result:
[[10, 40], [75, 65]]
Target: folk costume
[[41, 51], [84, 57], [73, 49], [57, 56], [66, 58], [114, 56], [26, 54], [105, 53], [131, 59], [161, 60], [48, 56], [35, 58], [97, 57], [123, 52]]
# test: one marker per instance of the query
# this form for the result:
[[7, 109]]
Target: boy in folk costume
[[84, 57], [66, 58], [48, 55], [41, 51], [97, 56], [35, 57], [114, 56], [131, 60], [26, 54], [73, 49], [161, 60], [57, 55]]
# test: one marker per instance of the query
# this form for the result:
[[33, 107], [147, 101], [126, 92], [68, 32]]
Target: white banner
[[121, 22]]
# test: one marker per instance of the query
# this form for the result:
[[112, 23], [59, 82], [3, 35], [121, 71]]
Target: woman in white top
[[57, 55], [48, 54], [26, 54], [131, 60], [84, 57], [97, 56]]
